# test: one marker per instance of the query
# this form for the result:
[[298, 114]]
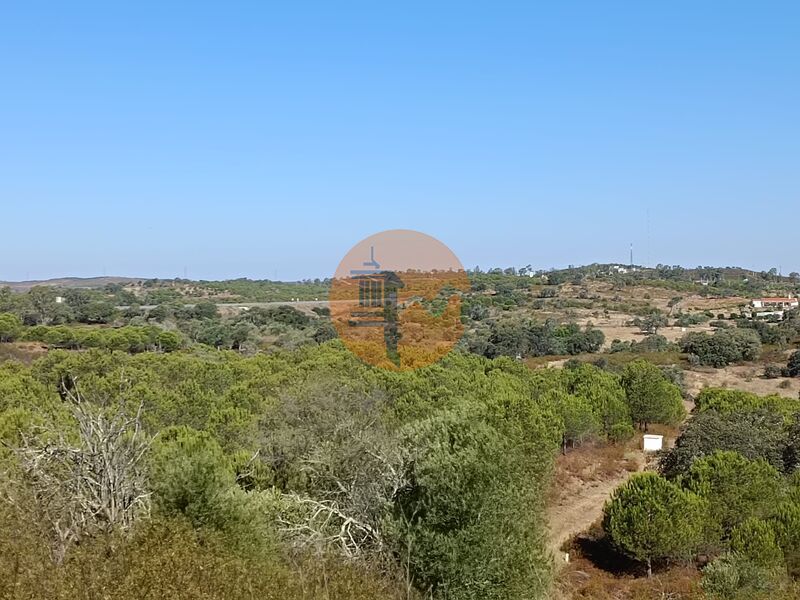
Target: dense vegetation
[[729, 490], [305, 466], [266, 461]]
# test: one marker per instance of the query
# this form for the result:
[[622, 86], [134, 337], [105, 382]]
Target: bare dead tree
[[323, 524], [92, 481], [348, 513]]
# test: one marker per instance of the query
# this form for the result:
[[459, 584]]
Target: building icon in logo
[[395, 299], [378, 302]]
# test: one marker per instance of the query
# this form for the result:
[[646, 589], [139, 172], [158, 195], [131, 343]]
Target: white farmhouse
[[773, 307], [776, 303]]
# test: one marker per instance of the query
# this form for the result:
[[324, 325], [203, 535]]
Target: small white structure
[[59, 300], [653, 443]]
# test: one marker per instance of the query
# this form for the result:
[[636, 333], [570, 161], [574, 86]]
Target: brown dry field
[[25, 352], [748, 378], [614, 328], [614, 325], [657, 297]]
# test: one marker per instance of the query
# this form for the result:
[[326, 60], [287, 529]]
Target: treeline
[[522, 337], [44, 305], [159, 291]]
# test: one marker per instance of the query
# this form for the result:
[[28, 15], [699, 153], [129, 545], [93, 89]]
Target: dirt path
[[583, 485]]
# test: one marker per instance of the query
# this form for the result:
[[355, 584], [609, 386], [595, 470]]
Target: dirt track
[[578, 503]]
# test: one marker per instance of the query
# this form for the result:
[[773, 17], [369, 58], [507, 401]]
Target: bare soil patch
[[25, 352], [584, 479], [741, 377]]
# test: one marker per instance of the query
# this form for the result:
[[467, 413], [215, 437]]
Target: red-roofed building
[[776, 303]]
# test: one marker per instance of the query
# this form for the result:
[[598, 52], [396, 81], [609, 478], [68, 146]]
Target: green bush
[[734, 577], [755, 540], [724, 347]]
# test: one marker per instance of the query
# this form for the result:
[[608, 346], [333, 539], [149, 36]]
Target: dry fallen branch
[[90, 482]]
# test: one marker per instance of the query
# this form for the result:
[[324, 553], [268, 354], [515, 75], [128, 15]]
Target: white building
[[773, 307], [776, 303]]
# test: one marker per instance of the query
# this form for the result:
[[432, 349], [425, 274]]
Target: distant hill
[[69, 282]]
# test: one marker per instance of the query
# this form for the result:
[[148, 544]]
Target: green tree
[[579, 419], [190, 476], [753, 434], [651, 397], [605, 394], [10, 327], [43, 305], [168, 341], [793, 368], [652, 322], [736, 489], [724, 347], [650, 518], [205, 309]]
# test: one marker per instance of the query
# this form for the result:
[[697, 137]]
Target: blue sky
[[262, 140]]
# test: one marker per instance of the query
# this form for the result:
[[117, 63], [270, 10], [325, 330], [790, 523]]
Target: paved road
[[297, 303]]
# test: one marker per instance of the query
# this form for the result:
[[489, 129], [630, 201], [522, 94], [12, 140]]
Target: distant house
[[776, 303], [773, 307]]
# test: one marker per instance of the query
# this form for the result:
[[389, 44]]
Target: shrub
[[785, 523], [190, 477], [773, 372], [793, 368], [755, 540], [10, 327], [753, 434], [463, 527], [729, 401], [733, 577]]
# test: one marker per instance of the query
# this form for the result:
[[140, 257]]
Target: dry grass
[[582, 579], [741, 377], [584, 479], [25, 352]]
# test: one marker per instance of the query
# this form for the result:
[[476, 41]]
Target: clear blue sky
[[255, 139]]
